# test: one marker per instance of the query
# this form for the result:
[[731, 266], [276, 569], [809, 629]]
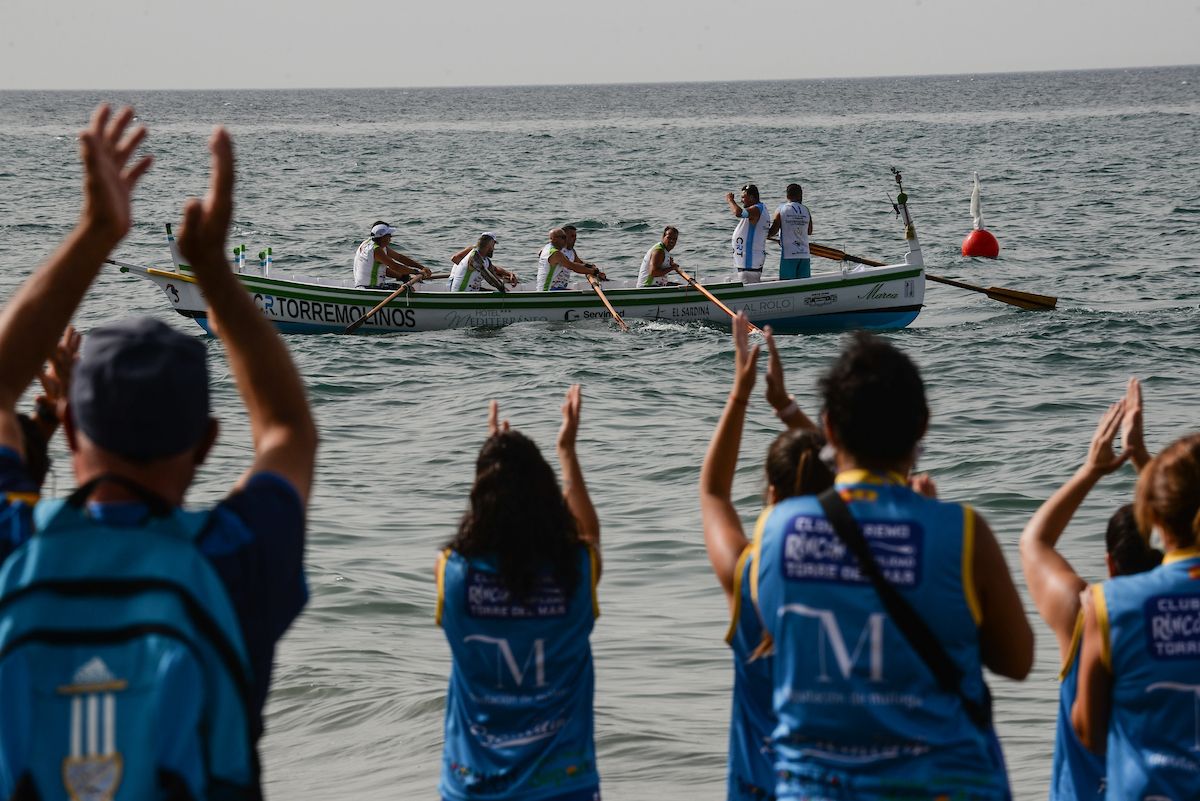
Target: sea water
[[1091, 182]]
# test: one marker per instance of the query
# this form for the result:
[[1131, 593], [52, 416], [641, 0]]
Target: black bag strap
[[922, 639], [156, 505]]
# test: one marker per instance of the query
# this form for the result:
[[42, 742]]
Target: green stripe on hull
[[564, 298]]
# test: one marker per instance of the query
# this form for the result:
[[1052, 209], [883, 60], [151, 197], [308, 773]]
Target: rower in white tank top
[[749, 239], [794, 221], [646, 275], [551, 277]]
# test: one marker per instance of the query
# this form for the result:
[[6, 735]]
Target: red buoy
[[979, 242]]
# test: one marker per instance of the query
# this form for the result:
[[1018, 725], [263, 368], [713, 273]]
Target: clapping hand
[[109, 179], [56, 378], [777, 394], [745, 359], [572, 404], [495, 424], [1132, 435], [206, 224], [1101, 459]]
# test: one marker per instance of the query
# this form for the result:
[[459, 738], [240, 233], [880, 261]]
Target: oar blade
[[1023, 300]]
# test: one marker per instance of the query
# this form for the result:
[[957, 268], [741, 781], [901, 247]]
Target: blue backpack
[[123, 674]]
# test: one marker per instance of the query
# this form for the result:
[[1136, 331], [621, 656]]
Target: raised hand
[[495, 425], [109, 179], [1101, 459], [777, 394], [1132, 435], [572, 404], [206, 224], [745, 358], [56, 378], [922, 484]]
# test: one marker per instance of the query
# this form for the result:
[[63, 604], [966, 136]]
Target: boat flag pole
[[595, 282], [696, 285]]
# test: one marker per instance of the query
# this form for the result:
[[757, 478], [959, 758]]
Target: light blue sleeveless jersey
[[1151, 629], [1076, 773], [122, 669], [751, 760], [519, 706], [860, 714]]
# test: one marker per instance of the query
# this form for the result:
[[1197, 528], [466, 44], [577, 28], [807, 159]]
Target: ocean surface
[[1091, 182]]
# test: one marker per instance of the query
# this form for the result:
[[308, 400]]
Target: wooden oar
[[696, 285], [357, 324], [595, 282], [1013, 297]]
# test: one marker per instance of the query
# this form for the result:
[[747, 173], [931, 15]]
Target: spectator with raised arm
[[120, 613], [517, 601], [1055, 587], [793, 467]]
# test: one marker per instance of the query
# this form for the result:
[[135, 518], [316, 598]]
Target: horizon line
[[612, 83]]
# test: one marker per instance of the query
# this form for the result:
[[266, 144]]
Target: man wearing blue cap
[[136, 639]]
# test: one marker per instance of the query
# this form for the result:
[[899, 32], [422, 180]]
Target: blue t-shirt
[[254, 540]]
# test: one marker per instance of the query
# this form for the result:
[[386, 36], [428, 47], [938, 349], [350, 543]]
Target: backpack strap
[[915, 630], [155, 503]]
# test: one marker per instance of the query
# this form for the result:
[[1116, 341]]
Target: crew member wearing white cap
[[375, 262], [473, 267]]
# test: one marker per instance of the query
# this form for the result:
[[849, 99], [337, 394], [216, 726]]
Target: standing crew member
[[859, 707], [517, 602], [1137, 698], [148, 628], [1055, 587], [793, 467], [657, 264], [750, 235], [793, 223], [374, 261], [473, 266], [554, 268]]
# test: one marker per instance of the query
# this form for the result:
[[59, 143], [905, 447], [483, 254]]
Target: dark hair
[[797, 190], [794, 465], [751, 189], [517, 515], [569, 228], [1130, 553], [1168, 492], [874, 401], [36, 454], [668, 229]]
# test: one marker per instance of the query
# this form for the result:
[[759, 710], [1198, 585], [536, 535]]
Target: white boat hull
[[879, 298]]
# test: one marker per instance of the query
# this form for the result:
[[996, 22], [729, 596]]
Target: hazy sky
[[167, 44]]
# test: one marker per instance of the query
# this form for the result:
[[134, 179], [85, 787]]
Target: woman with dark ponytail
[[1138, 702], [794, 467], [517, 601]]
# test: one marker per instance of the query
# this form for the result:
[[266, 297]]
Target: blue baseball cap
[[140, 389]]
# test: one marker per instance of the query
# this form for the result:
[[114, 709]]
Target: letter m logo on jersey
[[506, 660], [831, 642]]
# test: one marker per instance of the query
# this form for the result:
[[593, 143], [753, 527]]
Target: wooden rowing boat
[[875, 298]]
